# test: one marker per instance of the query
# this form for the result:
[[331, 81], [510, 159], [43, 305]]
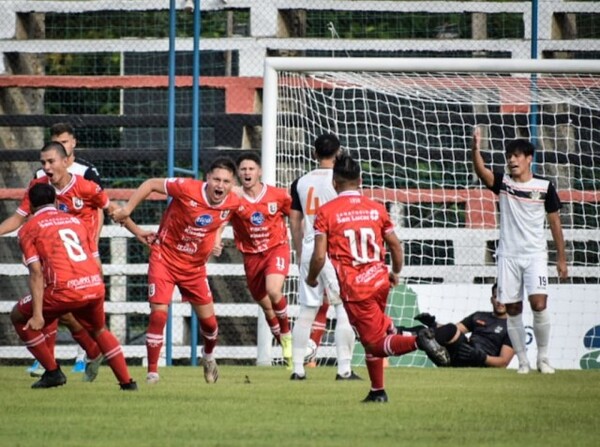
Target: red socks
[[320, 323], [281, 309], [275, 328], [375, 369], [154, 338], [209, 330], [113, 353], [50, 333], [394, 345], [88, 344], [35, 342]]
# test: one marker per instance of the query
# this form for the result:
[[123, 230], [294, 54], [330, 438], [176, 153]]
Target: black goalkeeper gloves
[[472, 355], [427, 319]]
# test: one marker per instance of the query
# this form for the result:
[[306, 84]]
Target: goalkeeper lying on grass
[[488, 345]]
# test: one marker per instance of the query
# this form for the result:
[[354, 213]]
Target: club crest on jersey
[[535, 195], [204, 220], [272, 207], [224, 214], [257, 218], [151, 289], [374, 215], [77, 203]]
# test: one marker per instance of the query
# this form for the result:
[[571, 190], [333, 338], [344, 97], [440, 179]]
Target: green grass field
[[252, 406]]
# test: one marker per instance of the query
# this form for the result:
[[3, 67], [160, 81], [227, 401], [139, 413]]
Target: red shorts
[[259, 265], [89, 312], [368, 317], [162, 280]]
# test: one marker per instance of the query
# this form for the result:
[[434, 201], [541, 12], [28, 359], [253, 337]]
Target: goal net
[[409, 122]]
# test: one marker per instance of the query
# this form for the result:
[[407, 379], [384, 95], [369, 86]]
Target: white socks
[[541, 329], [344, 341], [518, 337], [300, 336]]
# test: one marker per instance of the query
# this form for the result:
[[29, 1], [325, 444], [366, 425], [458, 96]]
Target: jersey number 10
[[363, 245]]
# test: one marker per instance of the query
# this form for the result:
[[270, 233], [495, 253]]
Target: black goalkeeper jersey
[[488, 332]]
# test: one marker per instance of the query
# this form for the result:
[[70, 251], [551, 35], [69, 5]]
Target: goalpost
[[409, 122]]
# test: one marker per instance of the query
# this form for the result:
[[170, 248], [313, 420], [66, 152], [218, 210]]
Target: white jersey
[[523, 209], [308, 193]]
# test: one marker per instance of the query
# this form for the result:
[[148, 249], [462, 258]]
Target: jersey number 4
[[312, 202], [363, 245]]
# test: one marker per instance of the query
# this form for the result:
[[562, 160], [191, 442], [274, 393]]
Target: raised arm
[[485, 174], [559, 242]]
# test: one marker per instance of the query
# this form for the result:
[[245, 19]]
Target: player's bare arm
[[502, 360], [296, 231], [485, 174], [11, 223], [36, 287], [317, 261], [397, 255], [559, 242], [146, 237], [143, 191]]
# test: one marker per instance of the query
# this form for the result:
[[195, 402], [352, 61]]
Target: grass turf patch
[[253, 406]]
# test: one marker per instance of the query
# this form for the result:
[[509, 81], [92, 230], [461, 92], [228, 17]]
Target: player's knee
[[16, 316]]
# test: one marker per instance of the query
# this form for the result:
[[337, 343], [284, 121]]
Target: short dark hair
[[60, 128], [222, 163], [519, 145], [346, 169], [494, 288], [41, 194], [55, 146], [252, 156], [326, 145]]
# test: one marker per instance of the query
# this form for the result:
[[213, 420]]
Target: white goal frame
[[270, 98], [275, 64]]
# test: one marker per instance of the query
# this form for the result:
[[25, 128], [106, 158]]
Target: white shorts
[[521, 277], [328, 283]]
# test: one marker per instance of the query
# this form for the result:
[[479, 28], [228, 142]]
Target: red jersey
[[189, 225], [355, 226], [80, 198], [67, 252], [259, 223]]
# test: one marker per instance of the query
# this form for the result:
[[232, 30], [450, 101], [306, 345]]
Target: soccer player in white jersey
[[522, 254], [308, 193]]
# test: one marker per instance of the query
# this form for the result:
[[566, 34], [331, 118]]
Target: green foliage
[[407, 25], [140, 24], [253, 406]]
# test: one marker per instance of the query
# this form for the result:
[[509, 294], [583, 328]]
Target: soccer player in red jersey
[[65, 275], [353, 230], [260, 233], [186, 237], [81, 198]]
